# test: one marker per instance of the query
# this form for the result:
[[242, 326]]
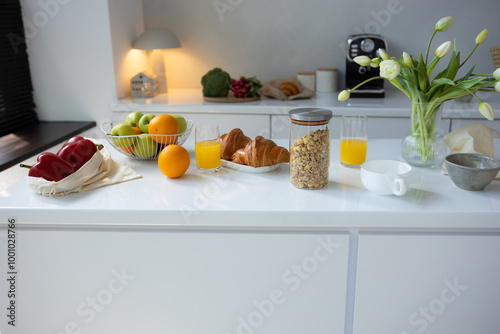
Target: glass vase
[[424, 146]]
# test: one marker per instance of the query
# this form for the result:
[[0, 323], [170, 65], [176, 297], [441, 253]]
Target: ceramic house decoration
[[143, 85]]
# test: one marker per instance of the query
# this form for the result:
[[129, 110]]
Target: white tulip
[[496, 74], [389, 69], [407, 59], [443, 49], [344, 95], [445, 23], [486, 110], [482, 36], [382, 54], [362, 60]]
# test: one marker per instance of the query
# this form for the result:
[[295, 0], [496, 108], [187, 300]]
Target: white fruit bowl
[[146, 151]]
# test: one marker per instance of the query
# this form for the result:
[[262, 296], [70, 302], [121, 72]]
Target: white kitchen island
[[248, 253]]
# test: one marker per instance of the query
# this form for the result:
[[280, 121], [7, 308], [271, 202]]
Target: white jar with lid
[[309, 147]]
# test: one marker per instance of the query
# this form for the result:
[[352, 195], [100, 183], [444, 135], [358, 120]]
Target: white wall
[[127, 22], [81, 61], [71, 62], [278, 38]]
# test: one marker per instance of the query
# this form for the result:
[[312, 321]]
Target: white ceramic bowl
[[386, 177]]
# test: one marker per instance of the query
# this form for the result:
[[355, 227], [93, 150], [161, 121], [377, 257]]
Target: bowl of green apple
[[135, 137]]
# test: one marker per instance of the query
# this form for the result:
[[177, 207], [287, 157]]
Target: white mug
[[386, 177]]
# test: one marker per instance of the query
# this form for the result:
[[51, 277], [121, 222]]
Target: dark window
[[17, 108]]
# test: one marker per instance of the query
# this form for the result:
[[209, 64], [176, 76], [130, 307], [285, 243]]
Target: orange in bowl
[[162, 125], [174, 161]]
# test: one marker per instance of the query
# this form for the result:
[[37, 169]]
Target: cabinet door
[[378, 127], [428, 283], [177, 282]]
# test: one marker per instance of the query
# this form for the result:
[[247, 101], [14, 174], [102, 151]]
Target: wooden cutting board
[[230, 99]]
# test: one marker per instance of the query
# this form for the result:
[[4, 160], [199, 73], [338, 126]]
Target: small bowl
[[471, 171]]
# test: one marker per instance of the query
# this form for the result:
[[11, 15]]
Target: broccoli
[[216, 83]]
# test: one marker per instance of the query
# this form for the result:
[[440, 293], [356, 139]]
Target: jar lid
[[310, 114]]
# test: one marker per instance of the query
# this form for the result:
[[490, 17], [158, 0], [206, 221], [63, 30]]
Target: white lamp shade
[[156, 39]]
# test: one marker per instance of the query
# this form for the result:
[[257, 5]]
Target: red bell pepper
[[77, 151], [51, 167]]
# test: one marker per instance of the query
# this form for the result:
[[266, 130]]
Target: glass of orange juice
[[353, 140], [207, 148]]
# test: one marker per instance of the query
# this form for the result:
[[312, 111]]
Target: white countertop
[[233, 200], [395, 104]]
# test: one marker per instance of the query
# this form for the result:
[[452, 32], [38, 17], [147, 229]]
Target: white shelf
[[395, 104]]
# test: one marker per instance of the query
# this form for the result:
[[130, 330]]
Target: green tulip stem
[[470, 54], [429, 46], [361, 84]]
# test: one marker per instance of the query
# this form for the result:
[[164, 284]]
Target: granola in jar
[[310, 160]]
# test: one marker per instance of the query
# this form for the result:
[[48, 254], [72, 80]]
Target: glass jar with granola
[[309, 147]]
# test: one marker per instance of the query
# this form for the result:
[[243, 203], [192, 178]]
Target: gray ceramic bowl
[[471, 171]]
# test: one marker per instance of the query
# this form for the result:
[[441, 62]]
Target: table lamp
[[155, 40]]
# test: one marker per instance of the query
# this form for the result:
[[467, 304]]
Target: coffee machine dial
[[367, 45]]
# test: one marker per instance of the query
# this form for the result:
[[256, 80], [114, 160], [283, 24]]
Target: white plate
[[248, 169]]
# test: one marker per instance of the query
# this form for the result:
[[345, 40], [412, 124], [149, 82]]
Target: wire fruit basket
[[143, 146]]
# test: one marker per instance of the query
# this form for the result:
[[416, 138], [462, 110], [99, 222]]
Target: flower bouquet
[[413, 77]]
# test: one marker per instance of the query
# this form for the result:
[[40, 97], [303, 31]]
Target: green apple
[[145, 147], [123, 129], [182, 123], [133, 119], [144, 122]]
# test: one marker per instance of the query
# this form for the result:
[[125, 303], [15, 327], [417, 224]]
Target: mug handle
[[399, 187]]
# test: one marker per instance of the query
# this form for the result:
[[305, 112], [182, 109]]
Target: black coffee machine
[[364, 45]]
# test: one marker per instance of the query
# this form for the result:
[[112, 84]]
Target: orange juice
[[207, 154], [353, 151]]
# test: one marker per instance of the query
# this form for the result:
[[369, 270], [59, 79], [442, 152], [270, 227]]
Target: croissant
[[231, 142], [261, 152], [289, 88]]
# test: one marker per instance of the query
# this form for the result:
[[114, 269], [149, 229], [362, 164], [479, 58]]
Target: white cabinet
[[378, 127], [159, 281], [428, 283]]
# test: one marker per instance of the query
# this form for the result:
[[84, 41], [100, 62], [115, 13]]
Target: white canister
[[307, 79], [326, 80]]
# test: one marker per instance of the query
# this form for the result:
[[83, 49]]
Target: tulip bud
[[486, 111], [445, 23], [496, 74], [443, 49], [383, 55], [389, 69], [374, 64], [482, 36], [362, 60], [344, 95], [407, 59], [497, 86]]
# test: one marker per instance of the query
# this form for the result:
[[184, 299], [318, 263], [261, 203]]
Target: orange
[[137, 130], [128, 150], [174, 161], [164, 125]]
